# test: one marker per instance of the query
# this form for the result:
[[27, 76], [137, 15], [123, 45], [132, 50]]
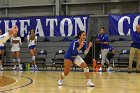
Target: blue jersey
[[103, 38], [111, 48], [72, 50], [136, 40]]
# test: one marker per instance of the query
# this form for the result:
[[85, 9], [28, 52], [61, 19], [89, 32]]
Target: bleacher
[[120, 43]]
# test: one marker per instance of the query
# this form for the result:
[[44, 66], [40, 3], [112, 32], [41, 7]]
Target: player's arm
[[28, 36], [6, 36], [97, 40], [35, 39], [88, 48], [11, 40], [28, 39], [106, 40], [20, 41], [80, 46]]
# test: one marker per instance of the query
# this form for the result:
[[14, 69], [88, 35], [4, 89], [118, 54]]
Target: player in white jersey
[[16, 42], [32, 40], [6, 36], [2, 48]]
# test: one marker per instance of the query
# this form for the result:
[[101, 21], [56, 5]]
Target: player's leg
[[104, 53], [138, 61], [81, 63], [18, 59], [109, 66], [34, 55], [14, 59], [67, 67], [1, 67], [3, 51], [131, 57], [33, 58]]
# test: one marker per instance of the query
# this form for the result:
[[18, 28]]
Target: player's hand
[[102, 42], [90, 44], [13, 30], [97, 40]]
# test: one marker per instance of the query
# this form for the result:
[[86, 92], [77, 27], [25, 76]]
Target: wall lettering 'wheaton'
[[47, 26]]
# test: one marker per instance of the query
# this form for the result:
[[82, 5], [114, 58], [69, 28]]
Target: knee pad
[[14, 60], [0, 56], [86, 69], [78, 61], [33, 58]]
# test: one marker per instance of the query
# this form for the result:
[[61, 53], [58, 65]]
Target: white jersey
[[31, 40], [15, 42], [2, 44], [4, 37]]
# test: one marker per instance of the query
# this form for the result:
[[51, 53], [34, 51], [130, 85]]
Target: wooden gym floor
[[46, 82]]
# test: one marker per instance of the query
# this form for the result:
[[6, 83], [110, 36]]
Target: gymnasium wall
[[19, 8]]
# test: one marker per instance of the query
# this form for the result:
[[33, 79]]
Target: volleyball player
[[71, 55], [2, 48], [32, 40], [5, 37], [16, 42]]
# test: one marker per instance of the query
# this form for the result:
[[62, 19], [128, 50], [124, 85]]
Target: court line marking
[[31, 81], [12, 83]]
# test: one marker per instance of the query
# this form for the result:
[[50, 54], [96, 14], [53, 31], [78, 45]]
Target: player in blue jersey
[[77, 46], [102, 39], [135, 49]]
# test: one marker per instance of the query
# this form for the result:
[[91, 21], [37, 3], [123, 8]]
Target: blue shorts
[[70, 58], [32, 47], [2, 47]]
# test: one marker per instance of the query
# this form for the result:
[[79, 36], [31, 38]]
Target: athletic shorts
[[2, 47], [77, 60], [32, 47]]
